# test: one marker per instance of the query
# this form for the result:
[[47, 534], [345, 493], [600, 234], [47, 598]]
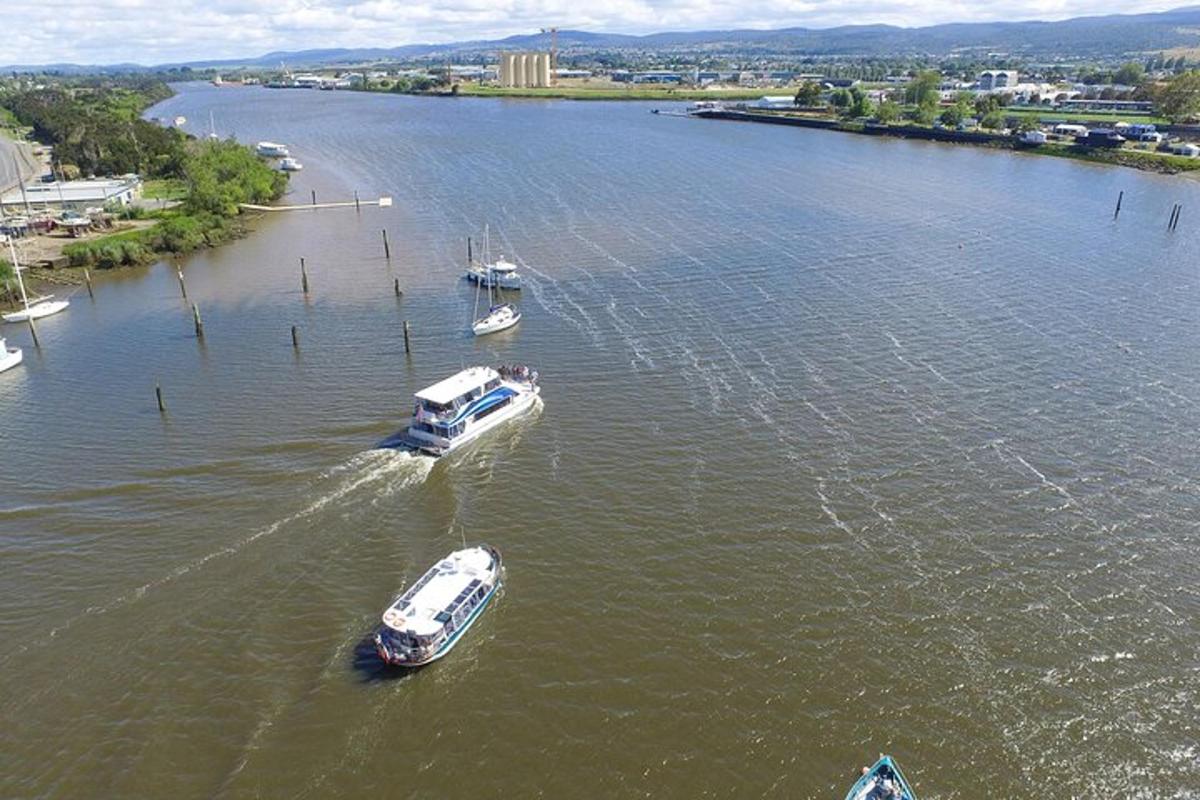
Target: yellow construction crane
[[553, 54]]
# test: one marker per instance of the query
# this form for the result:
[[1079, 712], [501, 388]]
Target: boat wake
[[384, 471]]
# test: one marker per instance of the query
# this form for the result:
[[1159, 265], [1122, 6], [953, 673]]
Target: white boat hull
[[10, 358], [496, 322], [498, 280], [37, 311], [440, 447]]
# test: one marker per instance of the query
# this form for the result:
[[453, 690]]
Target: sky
[[171, 31]]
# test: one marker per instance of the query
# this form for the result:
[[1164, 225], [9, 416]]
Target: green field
[[611, 92], [1050, 115], [164, 189]]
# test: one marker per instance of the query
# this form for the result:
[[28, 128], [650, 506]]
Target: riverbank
[[1137, 159]]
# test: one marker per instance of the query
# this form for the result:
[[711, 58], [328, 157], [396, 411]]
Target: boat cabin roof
[[424, 611], [443, 392], [500, 265]]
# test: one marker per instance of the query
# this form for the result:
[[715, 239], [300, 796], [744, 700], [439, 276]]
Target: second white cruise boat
[[456, 410], [425, 622]]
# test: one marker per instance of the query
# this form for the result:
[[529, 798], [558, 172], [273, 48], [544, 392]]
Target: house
[[1102, 137], [74, 195], [1186, 149], [1065, 129], [1033, 137], [775, 101]]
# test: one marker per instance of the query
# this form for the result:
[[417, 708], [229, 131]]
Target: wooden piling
[[356, 208], [1178, 211], [162, 407], [87, 278], [182, 286], [303, 276], [314, 197], [197, 321], [407, 349], [295, 338], [1120, 197], [1171, 219], [469, 258], [387, 251], [396, 286], [33, 333]]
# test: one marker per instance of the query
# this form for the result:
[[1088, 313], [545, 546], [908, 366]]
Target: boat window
[[442, 617], [493, 409], [492, 384]]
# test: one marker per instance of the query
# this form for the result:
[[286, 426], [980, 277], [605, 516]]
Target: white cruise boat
[[9, 356], [425, 622], [290, 165], [460, 408], [271, 150]]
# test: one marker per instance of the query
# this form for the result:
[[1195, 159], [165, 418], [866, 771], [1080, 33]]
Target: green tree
[[809, 94], [992, 120], [1179, 98], [1130, 74], [840, 98], [860, 104], [986, 104], [923, 89], [887, 112]]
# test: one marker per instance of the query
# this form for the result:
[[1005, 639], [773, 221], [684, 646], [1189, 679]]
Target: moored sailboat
[[9, 356], [37, 308]]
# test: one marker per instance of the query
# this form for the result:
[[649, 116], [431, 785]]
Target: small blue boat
[[884, 781]]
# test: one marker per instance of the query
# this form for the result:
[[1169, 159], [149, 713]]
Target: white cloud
[[162, 31]]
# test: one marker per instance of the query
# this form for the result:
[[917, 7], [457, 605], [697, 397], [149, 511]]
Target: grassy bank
[[216, 178], [1050, 115], [1138, 159]]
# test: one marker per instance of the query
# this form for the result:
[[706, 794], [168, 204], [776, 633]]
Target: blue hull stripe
[[497, 395]]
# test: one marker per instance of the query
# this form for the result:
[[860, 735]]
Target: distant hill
[[1111, 36]]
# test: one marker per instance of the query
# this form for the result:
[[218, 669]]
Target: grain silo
[[531, 69], [543, 71]]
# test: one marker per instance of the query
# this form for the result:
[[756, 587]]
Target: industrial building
[[525, 70], [73, 195], [992, 79]]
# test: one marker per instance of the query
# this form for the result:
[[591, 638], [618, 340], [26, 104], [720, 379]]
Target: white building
[[992, 79], [775, 101], [75, 195]]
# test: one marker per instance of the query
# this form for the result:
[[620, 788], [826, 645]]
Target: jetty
[[382, 202]]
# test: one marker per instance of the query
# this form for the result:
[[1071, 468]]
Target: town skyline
[[144, 33]]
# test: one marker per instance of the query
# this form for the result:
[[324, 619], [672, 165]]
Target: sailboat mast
[[12, 249]]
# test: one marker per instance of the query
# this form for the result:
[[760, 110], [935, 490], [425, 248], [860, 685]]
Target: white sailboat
[[500, 316], [9, 356], [39, 307]]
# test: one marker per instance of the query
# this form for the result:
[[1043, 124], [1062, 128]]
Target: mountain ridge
[[1110, 35]]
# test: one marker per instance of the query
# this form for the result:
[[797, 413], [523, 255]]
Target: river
[[849, 445]]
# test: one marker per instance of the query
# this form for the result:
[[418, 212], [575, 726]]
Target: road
[[16, 163]]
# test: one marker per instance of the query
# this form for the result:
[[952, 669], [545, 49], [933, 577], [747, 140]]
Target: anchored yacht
[[500, 273], [425, 622], [460, 408], [272, 150]]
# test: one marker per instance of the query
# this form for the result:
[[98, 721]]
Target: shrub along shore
[[95, 127]]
